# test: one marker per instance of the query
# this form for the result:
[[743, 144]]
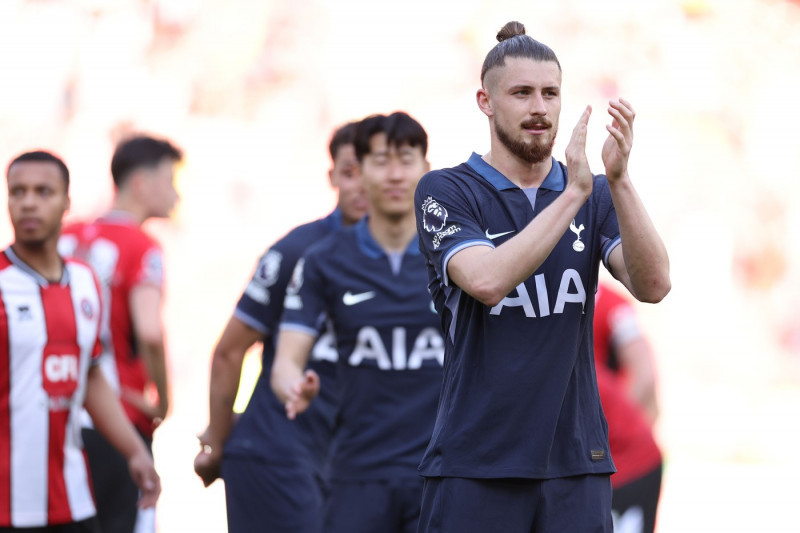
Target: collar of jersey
[[371, 248], [118, 216], [334, 220], [41, 280], [554, 180]]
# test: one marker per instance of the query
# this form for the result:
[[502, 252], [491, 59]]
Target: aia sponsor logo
[[60, 372], [370, 349], [571, 290]]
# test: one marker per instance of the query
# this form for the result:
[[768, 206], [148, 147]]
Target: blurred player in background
[[626, 378], [274, 470], [129, 264], [370, 282], [620, 345], [50, 326]]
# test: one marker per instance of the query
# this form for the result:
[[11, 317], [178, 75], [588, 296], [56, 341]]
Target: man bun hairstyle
[[511, 29], [514, 42]]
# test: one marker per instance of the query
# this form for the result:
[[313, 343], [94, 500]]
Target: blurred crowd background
[[251, 90]]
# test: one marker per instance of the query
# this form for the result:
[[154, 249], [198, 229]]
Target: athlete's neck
[[42, 257], [393, 234], [125, 204], [520, 172]]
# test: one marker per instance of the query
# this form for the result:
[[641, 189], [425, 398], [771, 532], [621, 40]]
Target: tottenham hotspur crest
[[578, 245]]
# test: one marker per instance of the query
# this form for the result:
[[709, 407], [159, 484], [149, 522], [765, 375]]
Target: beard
[[33, 243], [39, 239], [535, 152]]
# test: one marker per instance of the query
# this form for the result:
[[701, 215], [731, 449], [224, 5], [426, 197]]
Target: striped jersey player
[[50, 310], [48, 340]]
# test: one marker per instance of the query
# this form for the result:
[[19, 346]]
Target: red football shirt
[[123, 256]]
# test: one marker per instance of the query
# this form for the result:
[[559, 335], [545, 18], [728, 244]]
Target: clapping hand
[[617, 147]]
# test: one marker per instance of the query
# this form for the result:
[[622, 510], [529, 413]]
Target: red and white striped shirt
[[48, 340]]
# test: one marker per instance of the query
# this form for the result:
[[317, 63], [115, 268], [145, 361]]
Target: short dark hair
[[512, 42], [138, 152], [342, 136], [41, 156], [399, 127]]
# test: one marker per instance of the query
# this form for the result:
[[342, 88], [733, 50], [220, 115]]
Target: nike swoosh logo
[[352, 299], [493, 236]]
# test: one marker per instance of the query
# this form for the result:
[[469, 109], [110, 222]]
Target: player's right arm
[[489, 274], [291, 383], [226, 370], [145, 309], [295, 386], [109, 418]]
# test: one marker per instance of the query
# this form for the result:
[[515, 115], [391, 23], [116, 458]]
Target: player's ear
[[484, 102]]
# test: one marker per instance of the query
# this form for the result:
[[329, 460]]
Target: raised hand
[[301, 394], [617, 147], [577, 164]]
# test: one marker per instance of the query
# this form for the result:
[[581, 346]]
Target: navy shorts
[[461, 505], [267, 497], [390, 506], [116, 494]]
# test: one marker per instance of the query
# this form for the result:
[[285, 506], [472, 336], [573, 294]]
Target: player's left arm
[[293, 385], [109, 418], [145, 309], [641, 262]]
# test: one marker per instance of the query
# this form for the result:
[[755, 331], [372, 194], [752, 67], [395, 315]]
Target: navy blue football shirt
[[519, 397], [263, 430], [390, 349]]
